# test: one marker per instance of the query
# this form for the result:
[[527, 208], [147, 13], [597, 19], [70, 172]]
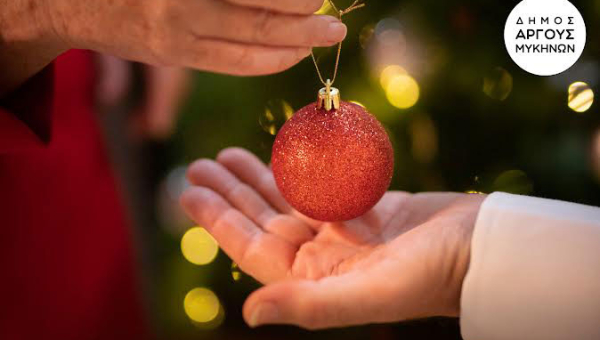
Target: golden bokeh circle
[[402, 91], [198, 246], [581, 97], [201, 305], [498, 84], [388, 73], [514, 182]]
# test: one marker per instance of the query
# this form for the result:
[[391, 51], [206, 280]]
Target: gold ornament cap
[[329, 97]]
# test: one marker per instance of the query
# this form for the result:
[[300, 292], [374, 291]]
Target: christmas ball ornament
[[332, 161]]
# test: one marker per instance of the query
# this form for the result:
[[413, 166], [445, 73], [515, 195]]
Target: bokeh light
[[236, 273], [198, 246], [389, 73], [581, 97], [389, 45], [266, 121], [498, 84], [402, 91], [514, 182], [176, 182], [276, 113], [201, 305], [389, 33]]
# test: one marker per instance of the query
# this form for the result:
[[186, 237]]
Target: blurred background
[[460, 114]]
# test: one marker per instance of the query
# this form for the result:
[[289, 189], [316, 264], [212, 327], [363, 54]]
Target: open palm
[[405, 258]]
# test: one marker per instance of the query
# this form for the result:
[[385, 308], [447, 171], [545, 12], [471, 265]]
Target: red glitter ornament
[[332, 165]]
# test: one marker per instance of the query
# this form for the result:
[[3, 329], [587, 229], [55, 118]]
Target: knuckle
[[238, 189], [156, 28], [158, 50], [156, 12], [185, 199], [192, 199], [196, 168], [263, 25], [202, 56], [247, 255], [243, 60]]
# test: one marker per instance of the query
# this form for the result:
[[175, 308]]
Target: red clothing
[[65, 248]]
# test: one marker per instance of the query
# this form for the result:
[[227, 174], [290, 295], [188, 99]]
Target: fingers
[[264, 256], [242, 40], [215, 176], [331, 302], [290, 229], [263, 27], [243, 195], [253, 171], [283, 6], [247, 167], [239, 59]]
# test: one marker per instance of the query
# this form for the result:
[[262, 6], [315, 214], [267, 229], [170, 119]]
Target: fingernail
[[263, 313], [336, 32]]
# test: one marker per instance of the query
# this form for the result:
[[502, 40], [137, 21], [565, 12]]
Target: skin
[[240, 37], [404, 259], [166, 88]]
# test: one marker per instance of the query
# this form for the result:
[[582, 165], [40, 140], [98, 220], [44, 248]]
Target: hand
[[167, 88], [243, 37], [404, 259], [240, 37]]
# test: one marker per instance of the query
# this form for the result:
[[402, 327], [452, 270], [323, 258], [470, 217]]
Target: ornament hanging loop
[[329, 97]]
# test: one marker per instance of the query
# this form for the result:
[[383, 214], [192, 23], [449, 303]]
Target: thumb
[[329, 302]]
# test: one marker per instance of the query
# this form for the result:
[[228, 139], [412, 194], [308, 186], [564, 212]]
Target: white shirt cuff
[[534, 271]]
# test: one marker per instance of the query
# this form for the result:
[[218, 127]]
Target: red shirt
[[65, 248]]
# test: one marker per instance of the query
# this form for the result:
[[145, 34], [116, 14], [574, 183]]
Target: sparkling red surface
[[332, 165]]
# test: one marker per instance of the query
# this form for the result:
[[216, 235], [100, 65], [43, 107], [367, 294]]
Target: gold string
[[328, 83]]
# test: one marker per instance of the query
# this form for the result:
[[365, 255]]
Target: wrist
[[466, 210], [27, 41]]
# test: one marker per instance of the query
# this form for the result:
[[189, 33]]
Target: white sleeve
[[534, 271]]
